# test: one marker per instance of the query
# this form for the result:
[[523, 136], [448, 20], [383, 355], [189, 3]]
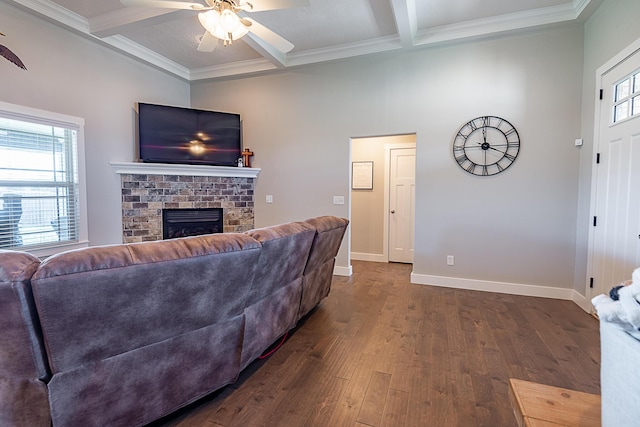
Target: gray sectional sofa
[[123, 335]]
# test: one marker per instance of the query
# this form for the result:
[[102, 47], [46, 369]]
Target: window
[[626, 102], [42, 209]]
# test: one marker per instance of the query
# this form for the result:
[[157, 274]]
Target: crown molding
[[409, 38], [580, 5], [55, 13], [112, 23], [511, 22], [147, 55], [365, 47], [253, 66], [250, 66], [58, 14]]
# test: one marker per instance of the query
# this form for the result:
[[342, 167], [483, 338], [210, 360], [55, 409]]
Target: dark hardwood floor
[[380, 351]]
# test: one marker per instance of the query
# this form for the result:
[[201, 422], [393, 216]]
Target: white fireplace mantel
[[184, 170]]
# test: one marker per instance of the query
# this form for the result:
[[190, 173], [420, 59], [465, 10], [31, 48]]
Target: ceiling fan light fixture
[[229, 21], [223, 25]]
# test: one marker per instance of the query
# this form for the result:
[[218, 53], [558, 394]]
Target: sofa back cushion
[[319, 269], [274, 297], [22, 351], [99, 302], [329, 233], [23, 367], [285, 250]]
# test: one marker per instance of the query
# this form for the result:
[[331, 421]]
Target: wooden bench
[[538, 405]]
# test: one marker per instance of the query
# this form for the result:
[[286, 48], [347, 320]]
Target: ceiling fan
[[225, 20]]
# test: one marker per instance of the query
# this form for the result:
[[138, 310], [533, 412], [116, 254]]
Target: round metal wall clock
[[486, 145]]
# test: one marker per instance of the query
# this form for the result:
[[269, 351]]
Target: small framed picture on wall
[[362, 175]]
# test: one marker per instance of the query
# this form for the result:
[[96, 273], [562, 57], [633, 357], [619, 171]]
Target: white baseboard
[[339, 270], [500, 287], [361, 256], [581, 301]]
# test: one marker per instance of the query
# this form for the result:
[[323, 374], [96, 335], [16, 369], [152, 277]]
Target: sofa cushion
[[147, 383], [22, 351], [285, 249], [329, 233], [318, 272], [274, 297], [99, 302], [23, 367]]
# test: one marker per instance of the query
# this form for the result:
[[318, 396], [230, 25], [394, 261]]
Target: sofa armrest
[[620, 387]]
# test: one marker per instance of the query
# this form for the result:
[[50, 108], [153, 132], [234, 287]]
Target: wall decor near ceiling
[[486, 145], [6, 53]]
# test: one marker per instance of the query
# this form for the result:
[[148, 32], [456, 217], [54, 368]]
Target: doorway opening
[[382, 214]]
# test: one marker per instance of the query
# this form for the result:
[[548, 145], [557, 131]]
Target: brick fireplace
[[148, 188]]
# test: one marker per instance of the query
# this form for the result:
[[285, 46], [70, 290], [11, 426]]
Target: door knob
[[393, 211]]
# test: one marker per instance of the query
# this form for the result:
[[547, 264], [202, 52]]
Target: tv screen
[[184, 135]]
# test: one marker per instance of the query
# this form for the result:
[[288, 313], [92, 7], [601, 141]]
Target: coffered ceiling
[[325, 30]]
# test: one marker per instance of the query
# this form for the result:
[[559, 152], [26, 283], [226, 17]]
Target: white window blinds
[[39, 192]]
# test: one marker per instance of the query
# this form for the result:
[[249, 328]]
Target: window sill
[[47, 251]]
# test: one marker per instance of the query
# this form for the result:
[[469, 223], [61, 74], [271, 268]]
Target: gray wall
[[528, 225], [517, 227], [76, 76]]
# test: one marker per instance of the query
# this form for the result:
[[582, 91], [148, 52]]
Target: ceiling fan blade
[[262, 5], [269, 36], [208, 42], [162, 4]]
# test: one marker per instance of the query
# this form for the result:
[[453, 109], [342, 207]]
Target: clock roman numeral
[[471, 167]]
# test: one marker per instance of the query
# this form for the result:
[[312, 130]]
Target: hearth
[[191, 222]]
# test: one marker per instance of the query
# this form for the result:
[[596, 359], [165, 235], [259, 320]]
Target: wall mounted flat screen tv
[[188, 136]]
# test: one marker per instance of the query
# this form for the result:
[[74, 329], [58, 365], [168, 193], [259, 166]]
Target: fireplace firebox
[[191, 222]]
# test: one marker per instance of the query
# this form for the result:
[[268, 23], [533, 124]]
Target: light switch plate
[[269, 198]]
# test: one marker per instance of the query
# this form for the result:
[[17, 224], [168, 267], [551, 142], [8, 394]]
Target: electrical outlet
[[269, 198], [450, 260], [338, 200]]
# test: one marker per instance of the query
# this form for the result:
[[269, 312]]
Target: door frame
[[600, 72], [387, 189]]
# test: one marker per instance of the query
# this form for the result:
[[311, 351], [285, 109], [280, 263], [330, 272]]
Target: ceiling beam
[[269, 53], [120, 20], [405, 15], [493, 25]]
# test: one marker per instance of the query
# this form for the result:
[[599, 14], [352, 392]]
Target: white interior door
[[616, 235], [402, 190]]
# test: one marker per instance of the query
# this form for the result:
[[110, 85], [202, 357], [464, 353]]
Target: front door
[[616, 236]]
